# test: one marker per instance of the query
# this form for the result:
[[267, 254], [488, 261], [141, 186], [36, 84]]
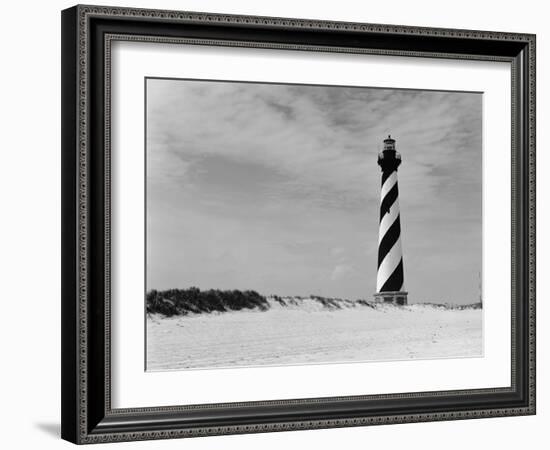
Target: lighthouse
[[390, 279]]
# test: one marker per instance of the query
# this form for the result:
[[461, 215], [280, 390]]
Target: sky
[[276, 188]]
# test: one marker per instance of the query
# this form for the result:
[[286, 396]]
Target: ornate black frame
[[87, 416]]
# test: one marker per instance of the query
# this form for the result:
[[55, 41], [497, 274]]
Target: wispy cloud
[[341, 271]]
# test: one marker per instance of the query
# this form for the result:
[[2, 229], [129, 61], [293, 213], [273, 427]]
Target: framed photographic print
[[277, 224]]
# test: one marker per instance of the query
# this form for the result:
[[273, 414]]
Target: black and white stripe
[[390, 255]]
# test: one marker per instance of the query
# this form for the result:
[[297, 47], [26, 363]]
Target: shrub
[[184, 301]]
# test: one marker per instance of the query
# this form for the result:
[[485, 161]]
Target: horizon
[[310, 296]]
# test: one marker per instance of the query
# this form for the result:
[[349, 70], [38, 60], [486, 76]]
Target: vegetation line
[[181, 302]]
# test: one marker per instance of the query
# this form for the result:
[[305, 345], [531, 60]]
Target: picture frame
[[87, 412]]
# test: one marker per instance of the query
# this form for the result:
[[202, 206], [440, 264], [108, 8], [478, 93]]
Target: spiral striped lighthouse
[[389, 279]]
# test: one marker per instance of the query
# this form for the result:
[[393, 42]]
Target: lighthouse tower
[[390, 280]]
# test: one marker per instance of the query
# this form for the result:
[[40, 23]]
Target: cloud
[[341, 271]]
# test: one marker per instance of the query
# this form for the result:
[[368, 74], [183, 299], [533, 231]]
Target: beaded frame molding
[[87, 35]]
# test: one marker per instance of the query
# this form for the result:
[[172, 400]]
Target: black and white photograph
[[291, 224], [275, 225], [274, 222]]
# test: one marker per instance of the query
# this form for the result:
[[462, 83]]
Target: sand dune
[[306, 331]]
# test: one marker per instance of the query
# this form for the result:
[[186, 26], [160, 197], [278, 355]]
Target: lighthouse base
[[393, 297]]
